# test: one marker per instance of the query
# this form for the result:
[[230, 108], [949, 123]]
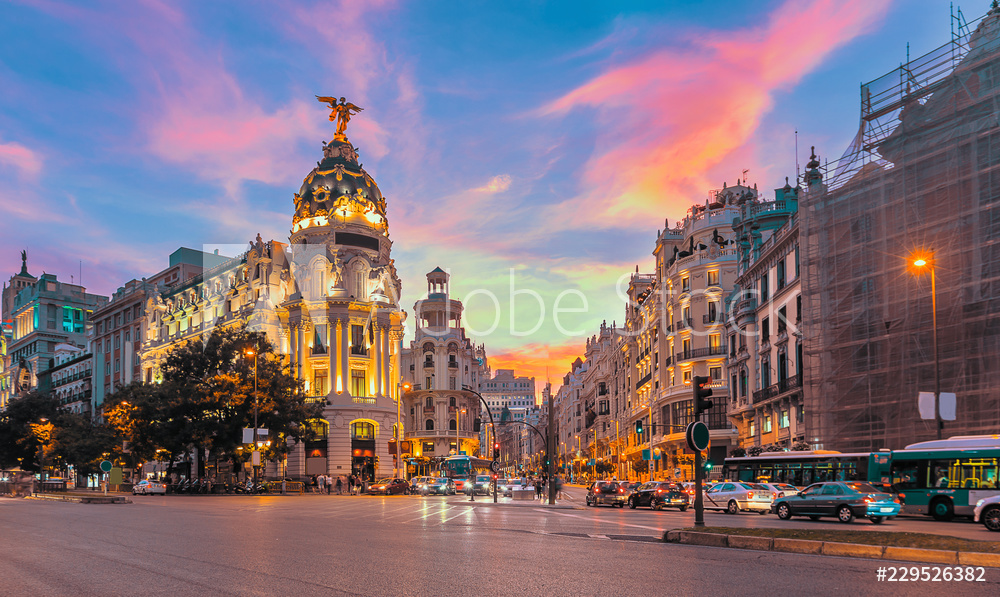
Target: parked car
[[146, 487], [733, 496], [845, 500], [389, 487], [504, 487], [781, 489], [606, 492], [988, 512], [891, 490], [659, 494], [439, 485]]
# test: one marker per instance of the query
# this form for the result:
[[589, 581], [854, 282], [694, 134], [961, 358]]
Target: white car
[[147, 487], [988, 512], [781, 489], [733, 496]]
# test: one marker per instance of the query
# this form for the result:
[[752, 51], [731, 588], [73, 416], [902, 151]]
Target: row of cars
[[431, 486], [843, 500]]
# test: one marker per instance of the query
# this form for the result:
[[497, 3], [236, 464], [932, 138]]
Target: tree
[[604, 467], [773, 448], [207, 397], [754, 451], [25, 427], [641, 466], [801, 446], [738, 452], [79, 441]]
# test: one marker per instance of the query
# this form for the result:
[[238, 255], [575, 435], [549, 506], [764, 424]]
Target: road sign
[[106, 466], [495, 466], [697, 436]]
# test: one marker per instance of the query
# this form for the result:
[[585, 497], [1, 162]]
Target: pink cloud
[[672, 117], [26, 161]]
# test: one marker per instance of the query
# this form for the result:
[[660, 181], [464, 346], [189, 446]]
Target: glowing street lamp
[[921, 262], [252, 353]]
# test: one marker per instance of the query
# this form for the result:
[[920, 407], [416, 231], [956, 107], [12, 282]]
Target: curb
[[97, 499], [831, 548]]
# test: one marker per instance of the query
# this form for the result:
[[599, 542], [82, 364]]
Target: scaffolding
[[923, 172]]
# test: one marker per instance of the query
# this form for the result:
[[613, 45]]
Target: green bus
[[941, 478]]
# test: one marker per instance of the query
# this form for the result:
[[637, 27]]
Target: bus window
[[939, 471], [905, 475], [978, 473]]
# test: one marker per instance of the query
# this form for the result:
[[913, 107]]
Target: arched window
[[451, 401], [362, 430], [429, 424], [451, 425]]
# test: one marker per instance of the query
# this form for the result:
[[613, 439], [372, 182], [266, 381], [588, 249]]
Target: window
[[451, 425], [358, 385], [358, 340], [117, 365], [682, 413], [732, 346], [107, 368], [429, 403], [800, 415], [783, 421], [781, 274], [427, 384], [713, 278], [765, 373], [319, 383], [685, 284], [765, 330], [117, 341], [715, 343], [753, 429], [363, 430], [782, 319], [429, 424], [452, 383], [686, 314], [767, 424], [319, 339], [715, 373], [428, 446], [713, 311], [451, 402], [798, 308], [128, 336], [764, 294], [687, 376]]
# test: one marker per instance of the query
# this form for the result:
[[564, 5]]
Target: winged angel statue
[[341, 113]]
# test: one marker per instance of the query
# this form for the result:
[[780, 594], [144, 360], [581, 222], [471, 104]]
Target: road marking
[[599, 537], [467, 511], [592, 519], [424, 517]]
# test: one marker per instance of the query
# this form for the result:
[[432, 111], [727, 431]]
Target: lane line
[[467, 510], [599, 537], [428, 514]]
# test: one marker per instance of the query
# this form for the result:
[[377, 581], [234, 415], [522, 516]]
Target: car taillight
[[620, 490], [659, 491], [895, 499], [869, 499], [749, 495]]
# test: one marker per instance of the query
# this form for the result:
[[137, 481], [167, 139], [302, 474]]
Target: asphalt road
[[398, 545]]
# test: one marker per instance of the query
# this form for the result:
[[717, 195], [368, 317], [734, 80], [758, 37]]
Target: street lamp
[[406, 387], [253, 353], [458, 441], [920, 262]]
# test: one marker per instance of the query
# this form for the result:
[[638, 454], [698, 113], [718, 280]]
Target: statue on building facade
[[341, 113]]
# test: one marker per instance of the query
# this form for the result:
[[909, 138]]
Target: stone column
[[335, 372], [344, 351], [331, 352], [387, 388], [301, 352], [377, 356], [293, 349]]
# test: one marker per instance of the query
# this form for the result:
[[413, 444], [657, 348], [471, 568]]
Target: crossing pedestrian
[[321, 483], [340, 485]]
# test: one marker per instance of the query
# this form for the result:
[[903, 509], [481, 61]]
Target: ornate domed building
[[328, 299]]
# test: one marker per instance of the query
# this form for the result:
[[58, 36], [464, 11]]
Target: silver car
[[781, 489], [988, 512], [733, 496]]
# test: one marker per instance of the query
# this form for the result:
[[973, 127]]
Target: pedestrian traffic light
[[496, 451], [701, 392]]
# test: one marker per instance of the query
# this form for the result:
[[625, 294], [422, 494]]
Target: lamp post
[[253, 353], [406, 387], [492, 424], [921, 261]]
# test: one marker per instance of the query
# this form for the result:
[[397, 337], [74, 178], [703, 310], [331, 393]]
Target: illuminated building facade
[[438, 413], [327, 299]]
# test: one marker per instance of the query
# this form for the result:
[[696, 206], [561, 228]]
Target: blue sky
[[548, 138]]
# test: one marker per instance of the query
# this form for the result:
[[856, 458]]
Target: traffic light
[[496, 450], [708, 466], [477, 425], [638, 427], [700, 394]]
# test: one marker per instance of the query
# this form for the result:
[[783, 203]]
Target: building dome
[[338, 187]]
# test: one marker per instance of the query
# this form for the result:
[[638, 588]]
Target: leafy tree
[[754, 451], [801, 446], [773, 448], [23, 430], [640, 466], [604, 467], [737, 452], [207, 397], [79, 441]]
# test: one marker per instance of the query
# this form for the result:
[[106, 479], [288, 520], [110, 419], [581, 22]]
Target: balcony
[[428, 364], [685, 324], [645, 379], [784, 385], [359, 351], [699, 353], [746, 309], [453, 364], [711, 319]]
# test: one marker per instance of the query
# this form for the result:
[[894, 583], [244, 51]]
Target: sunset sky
[[550, 140]]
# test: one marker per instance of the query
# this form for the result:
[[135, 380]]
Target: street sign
[[495, 466], [106, 466], [255, 458], [697, 436]]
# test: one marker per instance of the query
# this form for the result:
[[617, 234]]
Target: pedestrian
[[340, 485], [538, 489], [321, 483], [329, 485], [350, 484]]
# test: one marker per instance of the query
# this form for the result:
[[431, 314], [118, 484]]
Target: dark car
[[389, 487], [657, 495], [606, 492], [438, 485], [483, 485], [845, 500], [891, 490]]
